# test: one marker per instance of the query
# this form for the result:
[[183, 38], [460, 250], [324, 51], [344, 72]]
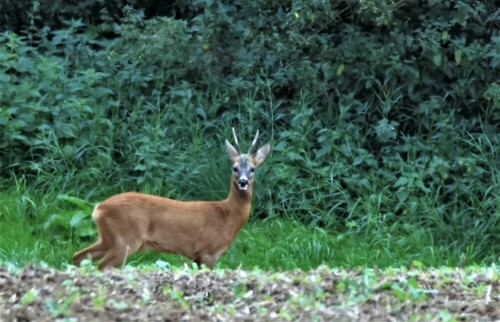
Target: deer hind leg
[[117, 255], [95, 251], [121, 244]]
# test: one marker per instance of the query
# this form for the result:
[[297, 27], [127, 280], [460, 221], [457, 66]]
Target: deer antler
[[253, 142], [237, 145]]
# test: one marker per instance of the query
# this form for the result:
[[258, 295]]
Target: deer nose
[[243, 182]]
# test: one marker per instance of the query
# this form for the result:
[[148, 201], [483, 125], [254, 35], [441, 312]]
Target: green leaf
[[201, 112], [294, 156], [403, 195], [399, 293], [85, 232], [140, 167], [402, 181], [54, 220], [77, 217], [346, 150], [340, 69], [323, 151], [458, 56], [421, 185], [99, 92], [68, 150], [446, 316], [437, 58], [412, 282], [80, 203], [281, 146], [417, 264]]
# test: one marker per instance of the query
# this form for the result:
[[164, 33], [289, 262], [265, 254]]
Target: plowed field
[[324, 294]]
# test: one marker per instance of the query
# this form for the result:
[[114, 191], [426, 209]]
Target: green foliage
[[75, 223], [28, 15], [383, 115]]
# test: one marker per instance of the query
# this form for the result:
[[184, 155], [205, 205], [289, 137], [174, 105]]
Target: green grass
[[50, 228]]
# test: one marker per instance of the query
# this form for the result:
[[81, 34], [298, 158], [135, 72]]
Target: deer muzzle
[[243, 183]]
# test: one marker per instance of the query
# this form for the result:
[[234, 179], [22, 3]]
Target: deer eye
[[252, 170], [235, 169]]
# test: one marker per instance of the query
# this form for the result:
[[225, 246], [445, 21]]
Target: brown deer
[[199, 230]]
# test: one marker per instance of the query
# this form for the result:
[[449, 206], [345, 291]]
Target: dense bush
[[383, 115]]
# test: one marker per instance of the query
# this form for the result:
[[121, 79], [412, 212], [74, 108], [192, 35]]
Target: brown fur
[[200, 230]]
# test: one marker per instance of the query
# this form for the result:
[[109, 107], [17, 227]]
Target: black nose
[[243, 182]]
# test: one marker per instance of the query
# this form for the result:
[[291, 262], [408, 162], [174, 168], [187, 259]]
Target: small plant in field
[[59, 304], [240, 291], [118, 305], [446, 316], [283, 313], [409, 290], [29, 296], [88, 268], [61, 307], [99, 300], [177, 296], [357, 290], [481, 289]]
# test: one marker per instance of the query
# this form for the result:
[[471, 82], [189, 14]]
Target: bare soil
[[324, 294]]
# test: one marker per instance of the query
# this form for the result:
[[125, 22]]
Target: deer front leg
[[208, 260]]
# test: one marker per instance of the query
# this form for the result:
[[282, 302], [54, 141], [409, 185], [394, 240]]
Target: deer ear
[[231, 151], [261, 154]]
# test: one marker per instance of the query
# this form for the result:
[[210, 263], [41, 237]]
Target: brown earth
[[324, 294]]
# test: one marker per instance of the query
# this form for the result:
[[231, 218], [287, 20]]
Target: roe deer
[[199, 230]]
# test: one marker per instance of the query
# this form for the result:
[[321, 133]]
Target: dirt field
[[42, 294]]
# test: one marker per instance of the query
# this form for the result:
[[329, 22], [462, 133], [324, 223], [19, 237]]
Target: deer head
[[244, 165]]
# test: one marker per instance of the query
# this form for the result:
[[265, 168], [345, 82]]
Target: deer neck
[[239, 202]]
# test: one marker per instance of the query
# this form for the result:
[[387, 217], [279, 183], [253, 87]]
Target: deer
[[199, 230]]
